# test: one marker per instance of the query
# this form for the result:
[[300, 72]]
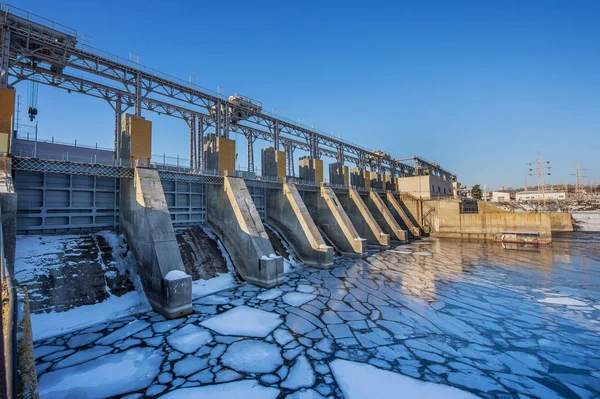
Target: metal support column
[[201, 130], [118, 128], [218, 121], [276, 136], [250, 139], [4, 58], [138, 95], [226, 121], [192, 123]]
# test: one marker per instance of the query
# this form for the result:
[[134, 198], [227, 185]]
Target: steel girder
[[142, 88]]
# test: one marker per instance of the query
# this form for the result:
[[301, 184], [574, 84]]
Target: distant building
[[459, 190], [425, 187], [500, 196], [530, 196]]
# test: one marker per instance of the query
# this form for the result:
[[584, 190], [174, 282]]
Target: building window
[[432, 188], [439, 189]]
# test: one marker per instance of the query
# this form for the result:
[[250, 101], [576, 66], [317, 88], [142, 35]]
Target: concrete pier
[[400, 214], [147, 225], [376, 180], [219, 153], [362, 219], [384, 218], [311, 169], [272, 163], [288, 214], [234, 218], [359, 177], [339, 174], [332, 220]]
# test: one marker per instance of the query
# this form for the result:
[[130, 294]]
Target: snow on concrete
[[297, 298], [250, 356], [561, 300], [47, 325], [176, 275], [244, 321], [206, 287], [189, 338], [109, 375], [359, 380], [247, 389]]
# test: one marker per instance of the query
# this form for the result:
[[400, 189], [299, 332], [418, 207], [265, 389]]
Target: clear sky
[[477, 86]]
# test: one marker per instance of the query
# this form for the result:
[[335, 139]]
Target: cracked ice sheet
[[562, 301], [247, 389], [359, 380], [108, 375], [244, 321], [297, 298]]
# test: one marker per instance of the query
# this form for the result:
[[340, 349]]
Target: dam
[[129, 276]]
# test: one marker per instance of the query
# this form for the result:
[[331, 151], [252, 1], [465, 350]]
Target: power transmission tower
[[579, 188], [540, 168]]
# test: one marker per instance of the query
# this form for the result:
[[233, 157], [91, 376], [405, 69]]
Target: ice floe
[[244, 321], [189, 338], [109, 375], [246, 389], [250, 356], [297, 298], [359, 380]]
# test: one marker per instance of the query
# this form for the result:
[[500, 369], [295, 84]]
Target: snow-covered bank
[[46, 325], [587, 221]]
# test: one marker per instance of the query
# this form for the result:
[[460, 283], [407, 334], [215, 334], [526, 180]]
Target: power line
[[540, 168]]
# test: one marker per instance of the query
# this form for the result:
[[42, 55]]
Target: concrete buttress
[[288, 214], [234, 218], [384, 218], [147, 225], [362, 219], [332, 220], [397, 210]]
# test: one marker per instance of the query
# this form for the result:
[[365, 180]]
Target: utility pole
[[579, 188], [540, 168]]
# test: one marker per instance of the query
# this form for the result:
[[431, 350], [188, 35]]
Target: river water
[[435, 318]]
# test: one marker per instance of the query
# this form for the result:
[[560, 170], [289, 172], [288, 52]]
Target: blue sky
[[476, 86]]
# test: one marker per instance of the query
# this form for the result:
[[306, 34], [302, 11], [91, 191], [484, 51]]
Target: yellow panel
[[7, 111], [141, 138], [280, 163], [226, 150], [4, 141], [346, 175], [318, 165]]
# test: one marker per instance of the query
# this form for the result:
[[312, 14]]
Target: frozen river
[[436, 318]]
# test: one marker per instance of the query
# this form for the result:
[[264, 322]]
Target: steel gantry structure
[[34, 48]]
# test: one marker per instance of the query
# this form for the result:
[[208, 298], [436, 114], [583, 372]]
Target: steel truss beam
[[36, 55]]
